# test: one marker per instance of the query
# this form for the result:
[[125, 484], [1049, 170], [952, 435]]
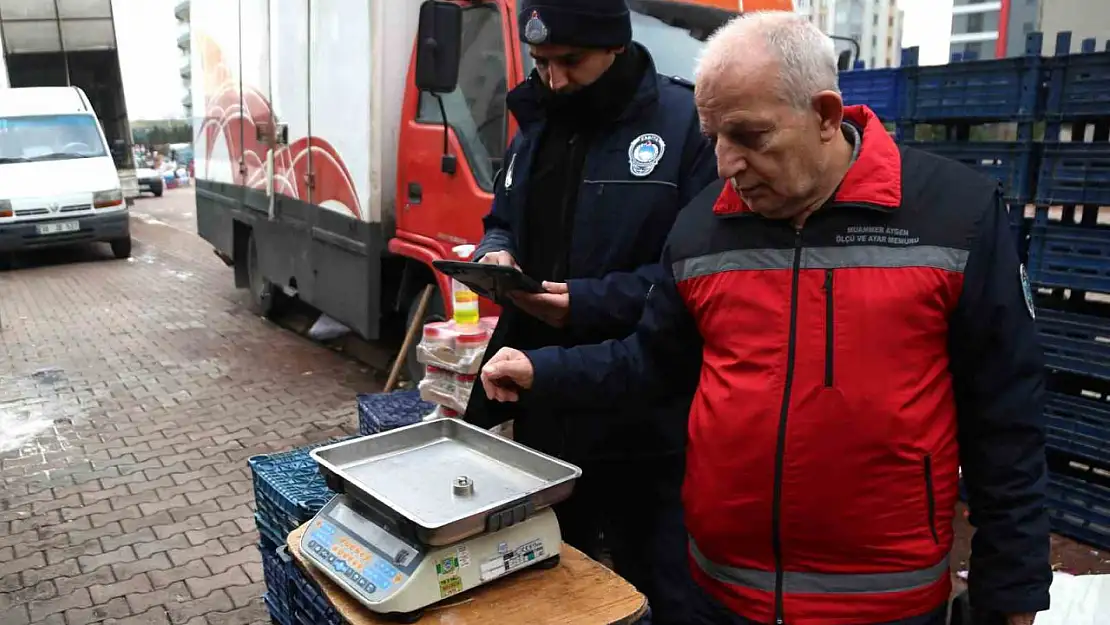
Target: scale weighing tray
[[419, 504], [408, 476]]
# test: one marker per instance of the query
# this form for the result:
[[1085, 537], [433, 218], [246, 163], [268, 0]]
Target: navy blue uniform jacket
[[621, 221]]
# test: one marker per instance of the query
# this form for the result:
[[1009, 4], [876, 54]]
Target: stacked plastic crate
[[1069, 264], [879, 89], [965, 94], [288, 492]]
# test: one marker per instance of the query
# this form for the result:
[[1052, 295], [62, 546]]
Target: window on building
[[975, 23], [476, 109], [875, 19]]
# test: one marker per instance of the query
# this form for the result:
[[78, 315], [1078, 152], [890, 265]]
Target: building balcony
[[181, 11], [184, 40]]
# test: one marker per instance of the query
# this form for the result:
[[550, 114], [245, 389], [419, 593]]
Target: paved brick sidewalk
[[131, 395]]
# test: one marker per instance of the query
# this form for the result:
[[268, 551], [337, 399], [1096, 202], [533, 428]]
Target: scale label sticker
[[447, 570], [510, 561], [450, 586], [464, 556]]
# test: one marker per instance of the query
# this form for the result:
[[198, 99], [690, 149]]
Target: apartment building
[[978, 30], [184, 43], [876, 25]]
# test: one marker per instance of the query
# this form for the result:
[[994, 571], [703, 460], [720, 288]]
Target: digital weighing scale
[[433, 509]]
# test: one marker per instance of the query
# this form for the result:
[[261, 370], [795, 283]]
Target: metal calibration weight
[[463, 486]]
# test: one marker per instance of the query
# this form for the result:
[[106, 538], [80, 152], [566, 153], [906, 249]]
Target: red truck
[[324, 172]]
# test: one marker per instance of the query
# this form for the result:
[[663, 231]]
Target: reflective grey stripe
[[821, 583], [931, 256]]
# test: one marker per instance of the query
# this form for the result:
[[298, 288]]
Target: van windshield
[[674, 33], [49, 138]]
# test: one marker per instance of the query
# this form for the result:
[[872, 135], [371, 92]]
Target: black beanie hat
[[599, 24]]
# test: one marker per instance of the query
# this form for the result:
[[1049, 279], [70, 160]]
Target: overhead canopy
[[36, 26]]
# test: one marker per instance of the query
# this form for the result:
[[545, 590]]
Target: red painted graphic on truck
[[236, 116]]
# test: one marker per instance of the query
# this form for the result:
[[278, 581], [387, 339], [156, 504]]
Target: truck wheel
[[266, 297], [157, 192], [434, 312], [121, 248]]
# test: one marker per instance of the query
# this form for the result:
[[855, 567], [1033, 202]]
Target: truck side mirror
[[439, 46], [844, 62]]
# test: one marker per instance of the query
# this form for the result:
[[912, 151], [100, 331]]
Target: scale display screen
[[358, 553], [400, 552]]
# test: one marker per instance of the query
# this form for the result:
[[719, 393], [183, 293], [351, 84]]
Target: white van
[[58, 182]]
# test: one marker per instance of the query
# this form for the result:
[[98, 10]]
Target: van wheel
[[434, 312], [157, 192], [121, 248], [266, 297]]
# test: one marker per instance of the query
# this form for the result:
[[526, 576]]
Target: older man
[[857, 325]]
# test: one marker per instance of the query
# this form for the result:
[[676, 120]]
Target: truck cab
[[439, 208]]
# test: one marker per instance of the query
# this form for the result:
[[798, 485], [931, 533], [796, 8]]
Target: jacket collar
[[524, 102], [874, 180]]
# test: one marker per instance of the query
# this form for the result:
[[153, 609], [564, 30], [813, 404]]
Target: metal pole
[[62, 42]]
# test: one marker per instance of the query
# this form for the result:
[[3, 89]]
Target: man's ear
[[830, 110]]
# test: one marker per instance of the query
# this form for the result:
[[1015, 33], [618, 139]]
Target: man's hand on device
[[506, 374], [502, 258], [552, 307]]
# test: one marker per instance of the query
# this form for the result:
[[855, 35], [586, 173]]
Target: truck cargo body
[[318, 162], [60, 44]]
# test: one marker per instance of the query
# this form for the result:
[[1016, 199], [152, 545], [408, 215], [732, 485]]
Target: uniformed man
[[608, 152]]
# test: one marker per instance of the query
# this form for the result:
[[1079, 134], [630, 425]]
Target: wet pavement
[[131, 395]]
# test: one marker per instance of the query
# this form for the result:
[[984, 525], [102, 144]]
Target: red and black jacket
[[844, 372]]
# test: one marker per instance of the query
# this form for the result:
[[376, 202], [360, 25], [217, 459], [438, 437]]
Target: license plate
[[59, 227]]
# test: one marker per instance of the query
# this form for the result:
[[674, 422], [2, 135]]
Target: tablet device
[[491, 281]]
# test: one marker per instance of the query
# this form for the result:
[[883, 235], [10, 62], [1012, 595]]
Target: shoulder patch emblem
[[535, 31], [679, 80], [645, 153], [1027, 291]]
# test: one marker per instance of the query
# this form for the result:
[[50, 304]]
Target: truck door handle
[[416, 193]]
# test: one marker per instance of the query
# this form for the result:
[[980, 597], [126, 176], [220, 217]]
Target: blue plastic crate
[[276, 568], [288, 488], [1079, 426], [1080, 509], [1075, 173], [1013, 163], [309, 601], [269, 536], [1078, 84], [1075, 343], [877, 88], [996, 90], [1069, 256], [277, 614], [380, 412]]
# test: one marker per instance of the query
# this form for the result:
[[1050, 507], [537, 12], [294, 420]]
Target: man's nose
[[731, 161], [557, 78]]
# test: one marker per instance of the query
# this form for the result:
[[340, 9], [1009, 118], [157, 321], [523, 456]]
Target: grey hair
[[806, 56]]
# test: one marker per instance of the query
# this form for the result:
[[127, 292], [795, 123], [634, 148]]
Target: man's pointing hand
[[506, 374]]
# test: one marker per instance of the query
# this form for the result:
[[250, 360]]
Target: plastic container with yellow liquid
[[464, 302]]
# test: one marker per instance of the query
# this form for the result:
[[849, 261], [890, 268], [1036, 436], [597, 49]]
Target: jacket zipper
[[780, 447], [829, 327], [930, 498], [560, 270]]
